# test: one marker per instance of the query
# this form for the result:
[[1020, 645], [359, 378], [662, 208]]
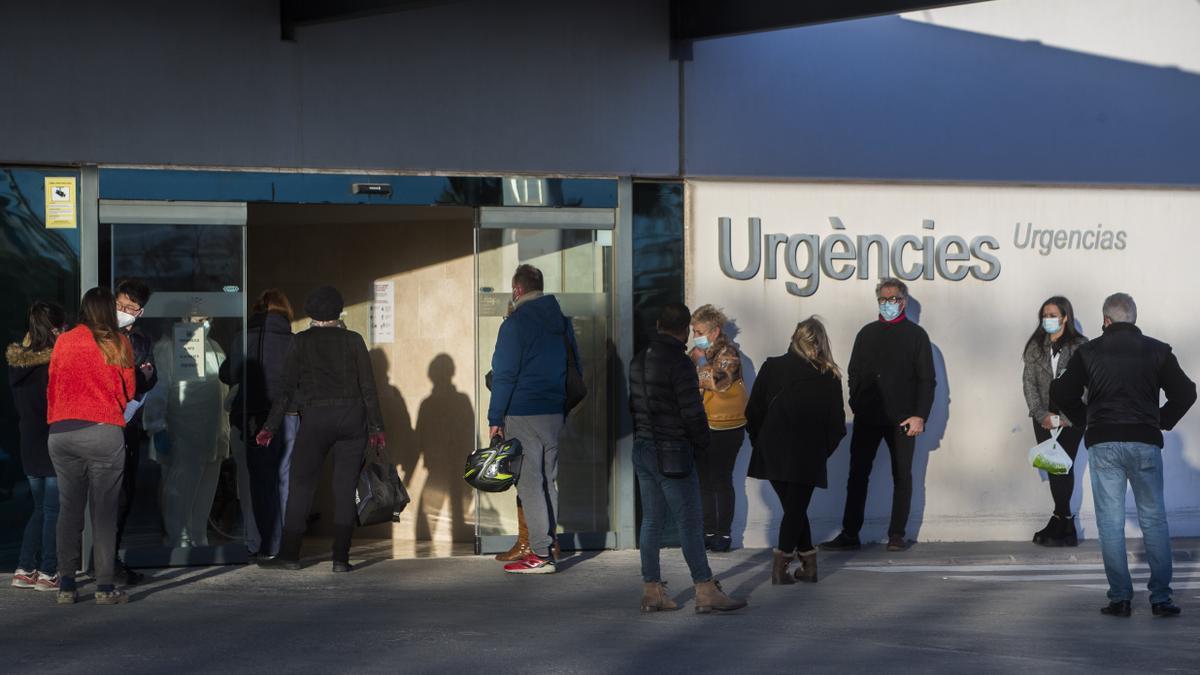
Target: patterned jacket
[[1037, 376]]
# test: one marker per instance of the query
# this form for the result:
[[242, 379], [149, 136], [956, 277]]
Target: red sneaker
[[531, 564], [45, 583]]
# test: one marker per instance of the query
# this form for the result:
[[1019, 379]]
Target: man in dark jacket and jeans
[[529, 398], [1123, 372], [664, 397], [891, 393]]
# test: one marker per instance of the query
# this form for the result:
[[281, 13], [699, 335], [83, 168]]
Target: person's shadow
[[401, 441], [935, 429], [445, 435]]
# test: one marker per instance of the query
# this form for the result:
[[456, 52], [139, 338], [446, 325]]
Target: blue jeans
[[40, 530], [680, 496], [1113, 465]]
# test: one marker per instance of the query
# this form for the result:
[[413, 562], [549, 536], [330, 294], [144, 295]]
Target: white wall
[[971, 477]]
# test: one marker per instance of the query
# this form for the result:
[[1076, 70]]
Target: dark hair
[[529, 278], [136, 289], [674, 318], [274, 300], [44, 319], [1070, 333], [98, 312]]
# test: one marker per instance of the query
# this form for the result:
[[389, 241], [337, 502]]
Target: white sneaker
[[23, 579], [45, 583]]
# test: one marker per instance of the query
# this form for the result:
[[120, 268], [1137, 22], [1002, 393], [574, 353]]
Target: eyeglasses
[[128, 309], [894, 300]]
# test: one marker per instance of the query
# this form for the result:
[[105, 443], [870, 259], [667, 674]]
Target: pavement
[[981, 607]]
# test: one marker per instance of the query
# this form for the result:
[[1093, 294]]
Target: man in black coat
[[668, 414], [1123, 372], [891, 381], [132, 296]]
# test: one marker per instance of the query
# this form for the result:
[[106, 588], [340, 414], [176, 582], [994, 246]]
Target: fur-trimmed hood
[[23, 362]]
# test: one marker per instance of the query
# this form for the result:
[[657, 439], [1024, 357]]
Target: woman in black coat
[[28, 373], [796, 419]]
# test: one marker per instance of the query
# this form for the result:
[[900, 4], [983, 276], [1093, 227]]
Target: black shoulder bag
[[674, 455]]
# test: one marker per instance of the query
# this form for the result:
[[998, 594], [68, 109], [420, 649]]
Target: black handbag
[[674, 455], [380, 496]]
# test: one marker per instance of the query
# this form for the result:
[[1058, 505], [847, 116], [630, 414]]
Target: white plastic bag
[[1049, 456]]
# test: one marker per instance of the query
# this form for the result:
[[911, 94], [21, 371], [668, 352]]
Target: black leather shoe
[[132, 577], [1167, 608], [1121, 608], [842, 542], [342, 566], [278, 564]]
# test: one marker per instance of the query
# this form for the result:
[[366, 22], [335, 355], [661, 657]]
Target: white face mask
[[125, 320]]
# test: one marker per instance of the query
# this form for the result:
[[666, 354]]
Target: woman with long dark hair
[[28, 372], [257, 371], [796, 420], [91, 381], [1047, 352]]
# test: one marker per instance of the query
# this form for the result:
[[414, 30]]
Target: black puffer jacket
[[327, 366], [259, 371], [1123, 372], [796, 420], [28, 373], [664, 394]]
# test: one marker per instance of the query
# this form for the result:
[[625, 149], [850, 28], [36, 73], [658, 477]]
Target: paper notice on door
[[60, 203], [189, 351], [383, 313]]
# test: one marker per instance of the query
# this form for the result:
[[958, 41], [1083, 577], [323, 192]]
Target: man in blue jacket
[[529, 394]]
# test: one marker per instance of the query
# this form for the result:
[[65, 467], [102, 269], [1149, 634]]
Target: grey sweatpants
[[89, 463], [539, 471]]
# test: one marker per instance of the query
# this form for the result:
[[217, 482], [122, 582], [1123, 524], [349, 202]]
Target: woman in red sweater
[[91, 381]]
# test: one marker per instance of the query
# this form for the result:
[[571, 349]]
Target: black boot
[[289, 553], [1066, 532], [341, 543], [1050, 534]]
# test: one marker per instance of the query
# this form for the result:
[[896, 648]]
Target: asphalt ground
[[983, 607]]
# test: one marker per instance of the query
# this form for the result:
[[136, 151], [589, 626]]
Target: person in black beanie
[[891, 393], [327, 377]]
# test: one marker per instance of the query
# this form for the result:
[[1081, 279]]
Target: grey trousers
[[89, 463], [539, 471]]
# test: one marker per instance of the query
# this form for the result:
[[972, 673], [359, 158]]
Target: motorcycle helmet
[[496, 467]]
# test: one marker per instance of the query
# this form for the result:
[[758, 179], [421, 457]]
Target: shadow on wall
[[445, 434], [398, 426], [891, 98]]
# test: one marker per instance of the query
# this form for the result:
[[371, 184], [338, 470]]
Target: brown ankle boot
[[655, 598], [710, 597], [807, 571], [779, 568], [521, 548]]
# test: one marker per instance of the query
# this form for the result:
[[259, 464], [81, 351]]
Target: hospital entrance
[[427, 287]]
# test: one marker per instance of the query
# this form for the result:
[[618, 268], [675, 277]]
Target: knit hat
[[324, 304]]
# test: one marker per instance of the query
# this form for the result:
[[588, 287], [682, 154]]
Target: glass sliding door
[[192, 256], [573, 249]]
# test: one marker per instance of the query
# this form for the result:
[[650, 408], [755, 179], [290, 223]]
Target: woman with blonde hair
[[796, 420], [719, 368]]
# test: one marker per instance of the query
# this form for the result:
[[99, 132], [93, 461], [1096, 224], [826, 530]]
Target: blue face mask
[[890, 311], [1051, 324], [702, 342]]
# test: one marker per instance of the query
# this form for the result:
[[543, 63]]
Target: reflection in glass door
[[573, 249], [192, 256]]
